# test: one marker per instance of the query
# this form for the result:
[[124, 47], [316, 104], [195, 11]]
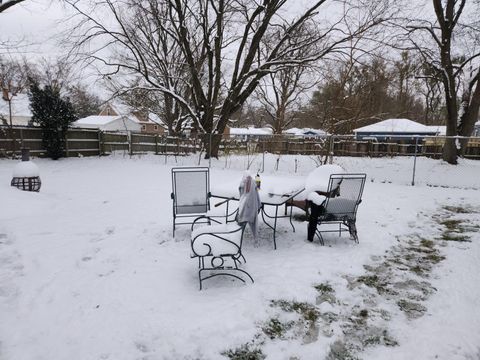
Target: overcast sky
[[36, 22]]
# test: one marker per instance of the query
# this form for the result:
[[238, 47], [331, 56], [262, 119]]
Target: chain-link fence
[[399, 159]]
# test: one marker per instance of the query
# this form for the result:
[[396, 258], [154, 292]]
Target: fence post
[[66, 144], [263, 158], [415, 161], [130, 142], [331, 149], [210, 152], [100, 143]]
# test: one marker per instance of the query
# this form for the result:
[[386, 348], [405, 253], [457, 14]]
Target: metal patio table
[[266, 199]]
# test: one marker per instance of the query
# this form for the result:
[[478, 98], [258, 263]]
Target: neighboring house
[[249, 132], [306, 133], [150, 123], [394, 129], [21, 113], [108, 123]]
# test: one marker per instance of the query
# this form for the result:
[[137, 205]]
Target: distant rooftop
[[396, 126], [305, 132], [97, 120], [251, 131]]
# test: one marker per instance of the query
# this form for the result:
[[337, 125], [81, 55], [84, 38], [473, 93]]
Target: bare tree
[[221, 46], [280, 91], [5, 4], [449, 44]]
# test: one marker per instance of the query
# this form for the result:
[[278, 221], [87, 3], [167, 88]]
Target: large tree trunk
[[469, 117], [450, 148]]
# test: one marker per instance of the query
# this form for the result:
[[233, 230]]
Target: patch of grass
[[244, 352], [369, 280], [375, 282], [324, 288], [306, 310], [339, 351], [383, 338], [276, 329], [451, 224], [434, 258], [418, 270], [427, 243], [448, 236], [363, 313], [418, 250], [458, 209], [412, 309]]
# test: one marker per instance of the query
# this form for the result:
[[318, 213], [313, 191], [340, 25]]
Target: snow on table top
[[273, 189]]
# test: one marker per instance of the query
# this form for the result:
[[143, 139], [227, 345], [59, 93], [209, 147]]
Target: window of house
[[144, 127], [155, 127]]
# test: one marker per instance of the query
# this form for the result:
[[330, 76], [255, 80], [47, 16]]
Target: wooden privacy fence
[[88, 142]]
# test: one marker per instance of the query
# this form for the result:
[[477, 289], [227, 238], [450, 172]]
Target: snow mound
[[26, 169], [318, 179]]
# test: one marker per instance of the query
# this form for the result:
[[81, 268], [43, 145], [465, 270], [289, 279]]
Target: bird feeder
[[26, 175]]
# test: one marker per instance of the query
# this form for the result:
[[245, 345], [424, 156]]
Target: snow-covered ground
[[89, 268]]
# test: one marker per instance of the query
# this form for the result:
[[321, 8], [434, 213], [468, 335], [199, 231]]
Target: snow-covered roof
[[305, 132], [395, 126], [20, 106], [156, 119], [97, 120], [251, 131], [438, 129]]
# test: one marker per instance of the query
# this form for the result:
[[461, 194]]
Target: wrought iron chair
[[190, 195], [340, 207], [219, 251]]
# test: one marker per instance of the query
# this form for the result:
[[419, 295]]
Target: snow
[[98, 120], [318, 179], [26, 169], [89, 268], [250, 131], [305, 132], [396, 126], [439, 130], [107, 122]]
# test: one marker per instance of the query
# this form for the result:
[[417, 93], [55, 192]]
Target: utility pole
[[8, 95]]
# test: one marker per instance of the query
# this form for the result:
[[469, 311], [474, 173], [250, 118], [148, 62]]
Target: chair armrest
[[217, 242]]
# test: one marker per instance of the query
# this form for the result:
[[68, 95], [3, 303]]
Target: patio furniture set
[[332, 197]]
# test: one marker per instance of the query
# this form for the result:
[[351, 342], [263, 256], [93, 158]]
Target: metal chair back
[[346, 190], [190, 192]]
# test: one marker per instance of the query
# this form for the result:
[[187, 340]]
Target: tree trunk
[[450, 148], [468, 119]]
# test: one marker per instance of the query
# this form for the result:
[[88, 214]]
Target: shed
[[250, 132], [306, 132], [394, 129], [108, 123]]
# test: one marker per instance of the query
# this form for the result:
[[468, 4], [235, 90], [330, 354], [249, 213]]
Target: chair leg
[[352, 228], [320, 237]]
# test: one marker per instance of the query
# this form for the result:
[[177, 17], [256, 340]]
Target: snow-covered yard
[[89, 269]]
